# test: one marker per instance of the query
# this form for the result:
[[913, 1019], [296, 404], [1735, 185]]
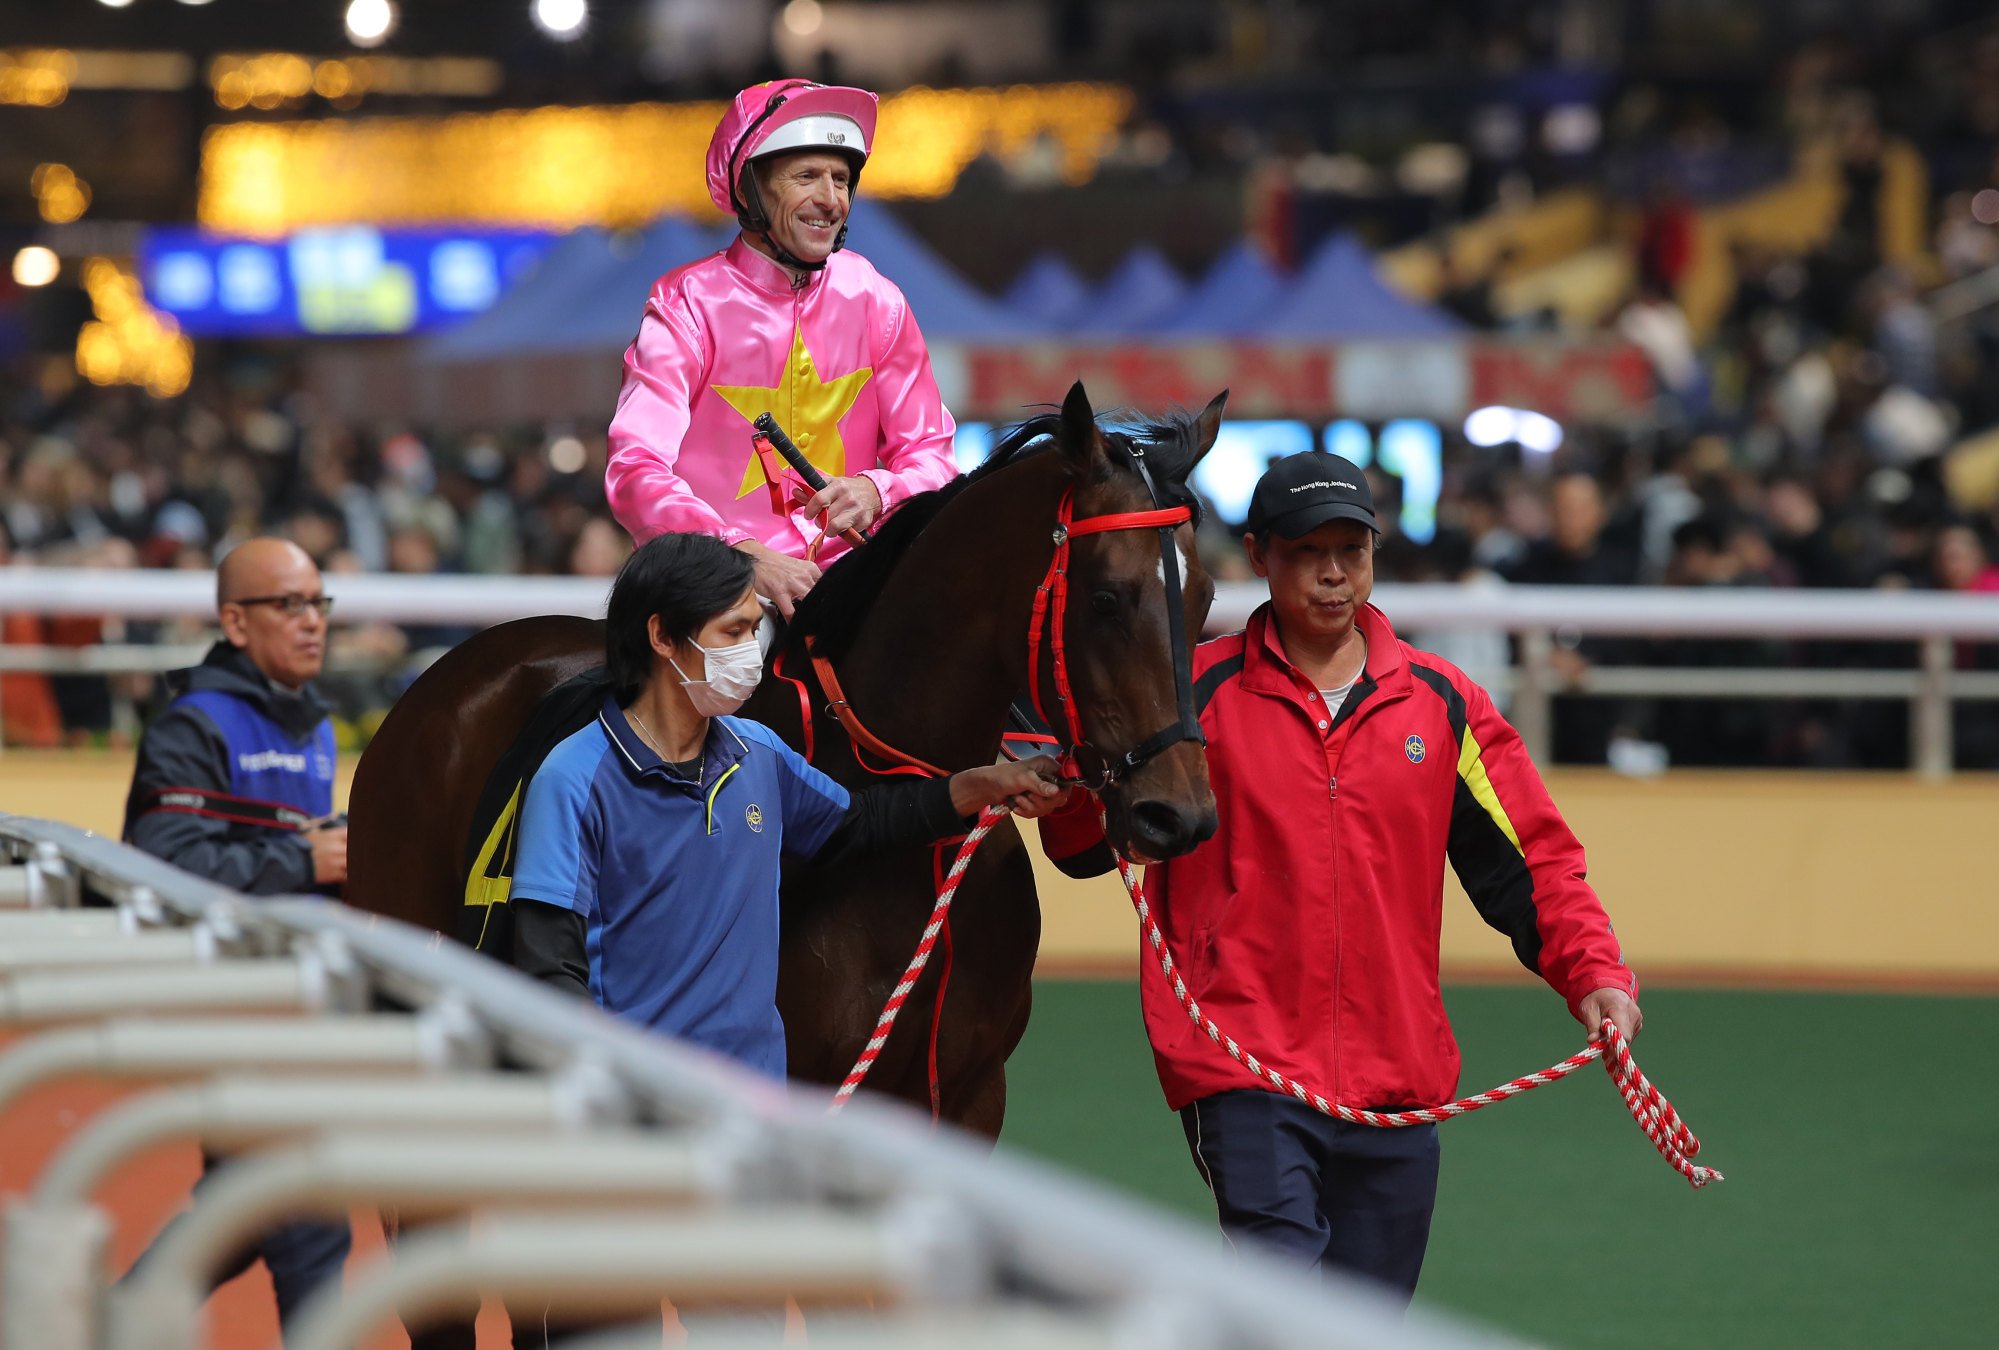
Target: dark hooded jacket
[[229, 772]]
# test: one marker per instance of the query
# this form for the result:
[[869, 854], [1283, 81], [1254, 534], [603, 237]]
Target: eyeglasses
[[293, 606]]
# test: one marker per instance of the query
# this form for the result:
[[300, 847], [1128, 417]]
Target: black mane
[[832, 613]]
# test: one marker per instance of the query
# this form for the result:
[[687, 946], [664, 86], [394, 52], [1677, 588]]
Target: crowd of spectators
[[114, 479], [1836, 426]]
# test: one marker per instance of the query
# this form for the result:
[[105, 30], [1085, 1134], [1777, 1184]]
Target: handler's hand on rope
[[1030, 788], [780, 578], [851, 503], [1617, 1006]]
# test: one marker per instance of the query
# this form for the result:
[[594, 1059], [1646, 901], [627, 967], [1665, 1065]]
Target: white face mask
[[733, 674]]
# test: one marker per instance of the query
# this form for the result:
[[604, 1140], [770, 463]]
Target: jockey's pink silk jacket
[[839, 362]]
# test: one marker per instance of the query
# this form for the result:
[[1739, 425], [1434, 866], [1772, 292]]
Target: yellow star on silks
[[807, 408]]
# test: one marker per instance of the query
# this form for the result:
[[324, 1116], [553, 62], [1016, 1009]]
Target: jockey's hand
[[1032, 787], [781, 579], [1618, 1006], [855, 503]]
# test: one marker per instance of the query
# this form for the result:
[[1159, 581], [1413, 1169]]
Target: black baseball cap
[[1299, 493]]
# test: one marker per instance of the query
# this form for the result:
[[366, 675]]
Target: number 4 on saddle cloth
[[486, 921]]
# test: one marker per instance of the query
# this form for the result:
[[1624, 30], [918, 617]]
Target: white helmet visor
[[821, 131]]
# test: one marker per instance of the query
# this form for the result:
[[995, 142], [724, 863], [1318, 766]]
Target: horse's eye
[[1103, 602]]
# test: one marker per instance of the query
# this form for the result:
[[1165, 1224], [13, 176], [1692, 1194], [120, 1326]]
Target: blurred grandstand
[[1660, 294]]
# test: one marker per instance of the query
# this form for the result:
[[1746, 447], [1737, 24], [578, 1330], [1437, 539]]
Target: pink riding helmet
[[766, 119]]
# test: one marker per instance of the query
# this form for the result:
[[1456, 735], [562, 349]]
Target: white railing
[[612, 1168], [1536, 616]]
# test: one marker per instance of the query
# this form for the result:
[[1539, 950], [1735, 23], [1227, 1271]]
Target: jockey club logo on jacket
[[1413, 747]]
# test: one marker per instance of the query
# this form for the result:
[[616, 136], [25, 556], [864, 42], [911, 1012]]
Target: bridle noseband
[[1051, 613]]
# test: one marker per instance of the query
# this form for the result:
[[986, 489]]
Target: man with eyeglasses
[[234, 783]]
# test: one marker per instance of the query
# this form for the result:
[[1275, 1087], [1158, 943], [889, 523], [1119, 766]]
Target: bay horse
[[928, 628]]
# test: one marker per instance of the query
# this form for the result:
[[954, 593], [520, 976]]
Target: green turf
[[1860, 1135]]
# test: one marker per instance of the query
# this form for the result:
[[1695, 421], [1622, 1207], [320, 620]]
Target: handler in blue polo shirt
[[647, 873]]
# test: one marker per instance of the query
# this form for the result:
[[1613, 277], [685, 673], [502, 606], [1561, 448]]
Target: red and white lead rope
[[1648, 1106], [1654, 1114], [988, 818]]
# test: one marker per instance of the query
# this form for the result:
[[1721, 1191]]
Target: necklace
[[700, 762]]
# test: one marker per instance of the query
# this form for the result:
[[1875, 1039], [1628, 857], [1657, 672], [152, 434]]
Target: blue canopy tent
[[1232, 299], [1140, 293], [589, 293], [607, 312], [1338, 294], [1049, 293], [945, 304]]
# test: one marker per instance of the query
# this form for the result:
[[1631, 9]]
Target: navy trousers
[[1316, 1190]]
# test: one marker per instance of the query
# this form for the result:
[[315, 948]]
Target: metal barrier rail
[[1535, 616], [677, 1175]]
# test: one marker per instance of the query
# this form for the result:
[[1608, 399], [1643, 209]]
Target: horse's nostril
[[1165, 828]]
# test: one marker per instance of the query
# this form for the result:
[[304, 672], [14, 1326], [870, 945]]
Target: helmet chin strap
[[797, 264]]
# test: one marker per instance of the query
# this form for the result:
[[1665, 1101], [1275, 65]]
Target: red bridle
[[1050, 618], [1051, 615]]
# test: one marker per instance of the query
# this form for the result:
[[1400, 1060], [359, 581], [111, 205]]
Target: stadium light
[[36, 266], [184, 2], [1497, 425], [1487, 427], [114, 4], [566, 454], [370, 21], [803, 17], [561, 18], [1538, 432]]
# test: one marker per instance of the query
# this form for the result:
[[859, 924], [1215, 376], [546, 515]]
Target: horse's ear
[[1207, 426], [1079, 439]]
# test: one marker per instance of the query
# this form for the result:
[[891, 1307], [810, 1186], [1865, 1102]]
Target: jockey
[[780, 321]]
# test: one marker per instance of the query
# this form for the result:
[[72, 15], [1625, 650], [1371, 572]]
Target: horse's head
[[1127, 658]]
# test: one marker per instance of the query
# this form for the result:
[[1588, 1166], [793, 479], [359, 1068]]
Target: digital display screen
[[1410, 449], [341, 281], [1227, 474]]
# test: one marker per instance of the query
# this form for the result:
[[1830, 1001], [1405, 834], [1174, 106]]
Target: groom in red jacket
[[1347, 766]]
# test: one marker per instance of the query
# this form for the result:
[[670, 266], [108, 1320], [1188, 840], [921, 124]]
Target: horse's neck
[[943, 650]]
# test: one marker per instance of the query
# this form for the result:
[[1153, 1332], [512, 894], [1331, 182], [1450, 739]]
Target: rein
[[1050, 615], [1047, 628]]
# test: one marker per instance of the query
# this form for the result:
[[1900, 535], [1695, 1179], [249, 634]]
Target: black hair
[[684, 579]]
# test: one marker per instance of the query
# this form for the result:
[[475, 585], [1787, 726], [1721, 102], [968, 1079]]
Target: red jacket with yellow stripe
[[1308, 926]]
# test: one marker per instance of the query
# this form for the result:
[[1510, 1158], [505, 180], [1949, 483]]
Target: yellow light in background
[[36, 266], [272, 79], [36, 77], [332, 79], [129, 342], [59, 193], [560, 168]]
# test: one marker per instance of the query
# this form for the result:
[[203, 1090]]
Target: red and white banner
[[1578, 382], [1592, 382]]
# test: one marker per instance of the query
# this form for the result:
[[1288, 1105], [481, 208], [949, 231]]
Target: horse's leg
[[983, 1109]]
